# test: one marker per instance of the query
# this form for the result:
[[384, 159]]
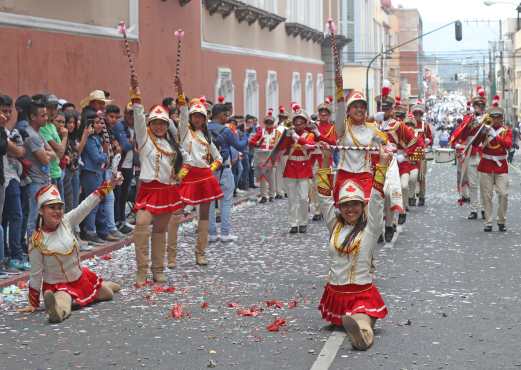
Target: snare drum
[[444, 155], [429, 155]]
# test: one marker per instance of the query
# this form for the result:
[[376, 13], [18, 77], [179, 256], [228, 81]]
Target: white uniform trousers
[[389, 215], [267, 182], [298, 201], [280, 181], [313, 196], [488, 183], [473, 176], [410, 190], [422, 180], [464, 190]]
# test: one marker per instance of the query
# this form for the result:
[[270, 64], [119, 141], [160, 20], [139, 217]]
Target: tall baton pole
[[339, 92], [179, 36], [123, 30]]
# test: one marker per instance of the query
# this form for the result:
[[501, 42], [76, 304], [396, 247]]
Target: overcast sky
[[475, 35]]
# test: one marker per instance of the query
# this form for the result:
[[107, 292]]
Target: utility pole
[[501, 48], [483, 81]]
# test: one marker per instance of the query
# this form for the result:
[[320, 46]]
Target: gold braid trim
[[153, 138], [348, 249], [38, 243]]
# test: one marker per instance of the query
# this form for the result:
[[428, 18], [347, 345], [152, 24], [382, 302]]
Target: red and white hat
[[282, 111], [298, 112], [418, 106], [158, 112], [49, 194], [269, 116], [480, 98], [354, 97], [349, 191], [198, 105], [326, 105]]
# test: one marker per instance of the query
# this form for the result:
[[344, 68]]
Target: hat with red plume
[[480, 98], [220, 99], [418, 106], [269, 116], [326, 105], [198, 105], [298, 112], [385, 100], [495, 110], [282, 111]]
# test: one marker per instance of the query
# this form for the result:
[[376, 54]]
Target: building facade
[[257, 53]]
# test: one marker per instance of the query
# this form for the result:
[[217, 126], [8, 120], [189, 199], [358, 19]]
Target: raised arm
[[35, 276], [324, 181], [76, 216], [340, 117]]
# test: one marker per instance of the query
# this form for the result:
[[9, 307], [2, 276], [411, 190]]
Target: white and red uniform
[[55, 259], [263, 141], [297, 173], [462, 178], [158, 189], [493, 168], [355, 164], [467, 132], [199, 185], [424, 132]]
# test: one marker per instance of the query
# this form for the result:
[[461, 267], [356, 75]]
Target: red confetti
[[160, 289], [22, 284], [249, 312], [106, 257], [177, 311], [233, 305], [293, 303], [274, 303], [204, 305], [275, 325]]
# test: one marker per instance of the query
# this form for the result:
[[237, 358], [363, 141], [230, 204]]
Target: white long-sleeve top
[[55, 258], [195, 144], [353, 268], [367, 134], [156, 164]]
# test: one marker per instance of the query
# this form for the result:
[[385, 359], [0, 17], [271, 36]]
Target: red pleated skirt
[[341, 300], [406, 167], [83, 291], [158, 198], [364, 179], [200, 186]]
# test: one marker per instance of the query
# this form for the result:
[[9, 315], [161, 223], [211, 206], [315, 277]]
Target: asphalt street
[[452, 293]]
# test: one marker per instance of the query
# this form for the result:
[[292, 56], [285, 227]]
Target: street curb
[[108, 248]]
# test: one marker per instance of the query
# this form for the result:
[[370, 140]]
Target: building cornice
[[306, 33], [243, 12]]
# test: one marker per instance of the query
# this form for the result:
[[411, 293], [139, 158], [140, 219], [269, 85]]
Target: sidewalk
[[110, 247]]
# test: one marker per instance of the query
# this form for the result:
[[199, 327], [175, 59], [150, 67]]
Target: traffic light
[[455, 77], [458, 30]]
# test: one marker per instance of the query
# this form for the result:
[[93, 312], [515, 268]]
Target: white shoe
[[240, 191], [229, 238], [213, 238], [85, 247]]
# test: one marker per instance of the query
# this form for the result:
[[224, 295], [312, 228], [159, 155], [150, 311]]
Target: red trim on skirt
[[158, 198], [200, 186], [364, 179], [83, 291], [406, 167], [341, 300]]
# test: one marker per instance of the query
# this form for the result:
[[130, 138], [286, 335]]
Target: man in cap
[[298, 143], [493, 167], [93, 103], [467, 132], [263, 141]]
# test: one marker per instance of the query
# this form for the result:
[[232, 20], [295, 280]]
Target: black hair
[[218, 109], [67, 105], [75, 135], [40, 99], [167, 101], [204, 130], [357, 229], [6, 100], [106, 93], [22, 105], [178, 162], [112, 108], [33, 108]]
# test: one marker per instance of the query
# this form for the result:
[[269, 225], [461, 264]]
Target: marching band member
[[462, 181], [406, 142], [54, 254], [199, 186], [468, 132], [350, 298], [158, 196], [424, 132], [263, 141], [353, 130], [324, 131], [493, 167], [297, 144], [413, 164]]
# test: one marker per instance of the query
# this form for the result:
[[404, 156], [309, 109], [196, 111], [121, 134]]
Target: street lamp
[[518, 9]]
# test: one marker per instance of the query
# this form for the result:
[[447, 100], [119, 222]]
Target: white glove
[[295, 136], [460, 146], [427, 141], [492, 133], [379, 116], [400, 157]]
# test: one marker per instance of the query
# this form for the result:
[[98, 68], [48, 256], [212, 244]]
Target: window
[[272, 91], [307, 12], [320, 89], [268, 5], [296, 89], [310, 98], [251, 93], [224, 85], [91, 17]]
